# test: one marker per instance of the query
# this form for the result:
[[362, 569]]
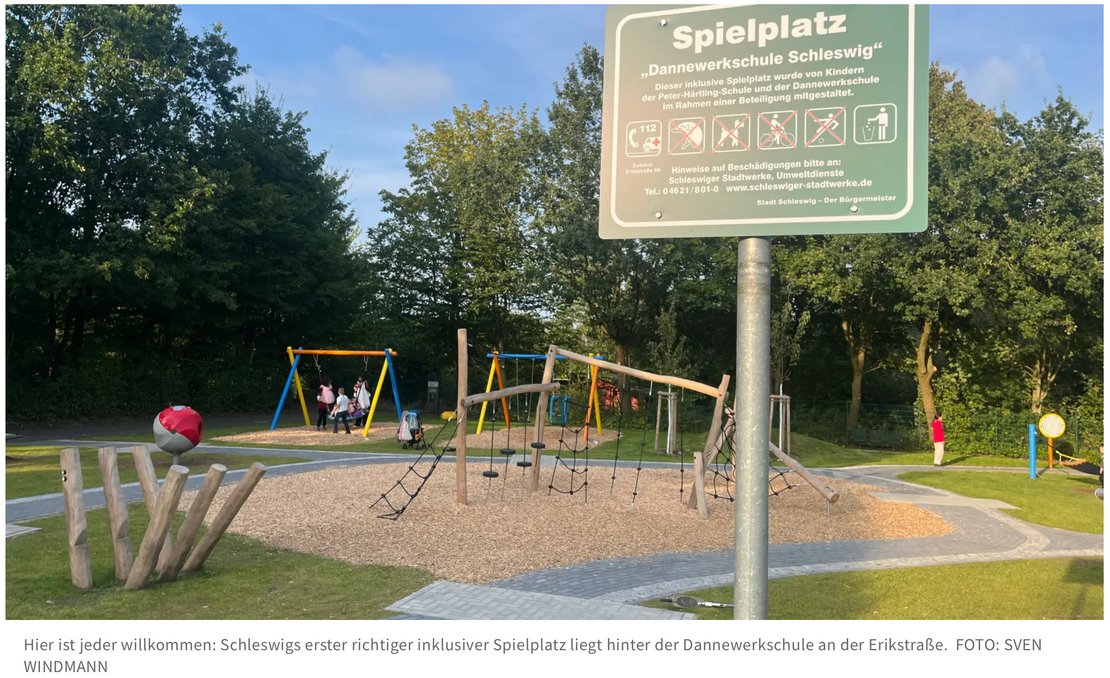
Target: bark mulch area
[[504, 531], [308, 435], [518, 436]]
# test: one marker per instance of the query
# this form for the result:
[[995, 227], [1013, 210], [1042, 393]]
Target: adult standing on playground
[[340, 411], [362, 398], [325, 398], [938, 440]]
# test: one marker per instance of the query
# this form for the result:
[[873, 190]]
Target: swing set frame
[[295, 378], [495, 372]]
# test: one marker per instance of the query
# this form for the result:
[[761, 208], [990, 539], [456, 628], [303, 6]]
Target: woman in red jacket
[[938, 440]]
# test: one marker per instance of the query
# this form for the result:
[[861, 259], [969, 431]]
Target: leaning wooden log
[[193, 520], [77, 525], [148, 480], [117, 511], [223, 519], [827, 492], [161, 519]]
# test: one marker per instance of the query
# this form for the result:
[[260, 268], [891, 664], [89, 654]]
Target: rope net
[[400, 496], [722, 467]]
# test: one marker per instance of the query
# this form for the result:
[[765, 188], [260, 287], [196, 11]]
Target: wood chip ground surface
[[504, 531]]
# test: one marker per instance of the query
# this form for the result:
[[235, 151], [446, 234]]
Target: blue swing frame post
[[393, 383], [285, 391]]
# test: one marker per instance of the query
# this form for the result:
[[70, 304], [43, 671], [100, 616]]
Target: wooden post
[[148, 480], [672, 422], [658, 418], [223, 519], [460, 416], [77, 525], [193, 520], [117, 511], [712, 440], [161, 519], [541, 417]]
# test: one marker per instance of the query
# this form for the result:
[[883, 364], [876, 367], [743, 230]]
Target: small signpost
[[756, 121], [1051, 426]]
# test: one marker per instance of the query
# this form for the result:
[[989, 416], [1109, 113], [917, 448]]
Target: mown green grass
[[35, 470], [1065, 588], [242, 579], [1063, 501]]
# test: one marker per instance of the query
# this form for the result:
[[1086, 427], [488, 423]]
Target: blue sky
[[366, 74]]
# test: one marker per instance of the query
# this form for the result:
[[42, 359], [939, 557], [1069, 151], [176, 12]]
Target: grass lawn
[[1025, 589], [31, 471], [1064, 501], [242, 579]]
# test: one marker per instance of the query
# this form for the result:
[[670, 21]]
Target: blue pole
[[285, 391], [393, 382], [1032, 452]]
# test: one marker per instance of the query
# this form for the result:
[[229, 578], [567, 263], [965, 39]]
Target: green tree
[[458, 248], [942, 270], [620, 283], [103, 105], [1048, 268]]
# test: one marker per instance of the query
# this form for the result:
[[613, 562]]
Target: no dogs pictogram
[[733, 133]]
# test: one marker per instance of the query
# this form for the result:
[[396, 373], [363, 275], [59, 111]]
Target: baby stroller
[[411, 431]]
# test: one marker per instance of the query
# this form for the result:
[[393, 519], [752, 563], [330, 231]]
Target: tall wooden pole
[[117, 511], [460, 416], [541, 417], [77, 525]]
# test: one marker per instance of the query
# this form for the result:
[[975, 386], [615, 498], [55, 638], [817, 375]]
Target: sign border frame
[[642, 228]]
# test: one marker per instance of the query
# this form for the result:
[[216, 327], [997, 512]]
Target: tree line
[[169, 234]]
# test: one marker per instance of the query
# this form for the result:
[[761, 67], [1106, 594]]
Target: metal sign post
[[753, 409]]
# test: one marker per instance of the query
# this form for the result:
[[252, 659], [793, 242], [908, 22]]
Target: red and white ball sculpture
[[177, 430]]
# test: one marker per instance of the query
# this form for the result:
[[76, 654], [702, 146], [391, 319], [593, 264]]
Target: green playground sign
[[764, 120]]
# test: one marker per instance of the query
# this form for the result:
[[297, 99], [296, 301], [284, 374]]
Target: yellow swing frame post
[[591, 401], [374, 401], [297, 381], [494, 370]]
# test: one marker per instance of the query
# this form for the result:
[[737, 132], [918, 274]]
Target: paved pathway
[[612, 589]]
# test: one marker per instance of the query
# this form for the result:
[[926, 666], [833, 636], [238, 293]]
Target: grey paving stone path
[[983, 534]]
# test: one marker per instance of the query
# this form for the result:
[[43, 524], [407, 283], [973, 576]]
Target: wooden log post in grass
[[161, 519], [193, 520], [77, 525], [223, 519], [148, 480], [117, 511]]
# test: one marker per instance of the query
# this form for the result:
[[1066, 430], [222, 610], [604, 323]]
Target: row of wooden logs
[[159, 551]]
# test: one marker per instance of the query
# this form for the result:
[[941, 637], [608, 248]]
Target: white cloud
[[352, 77], [391, 81], [998, 79]]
